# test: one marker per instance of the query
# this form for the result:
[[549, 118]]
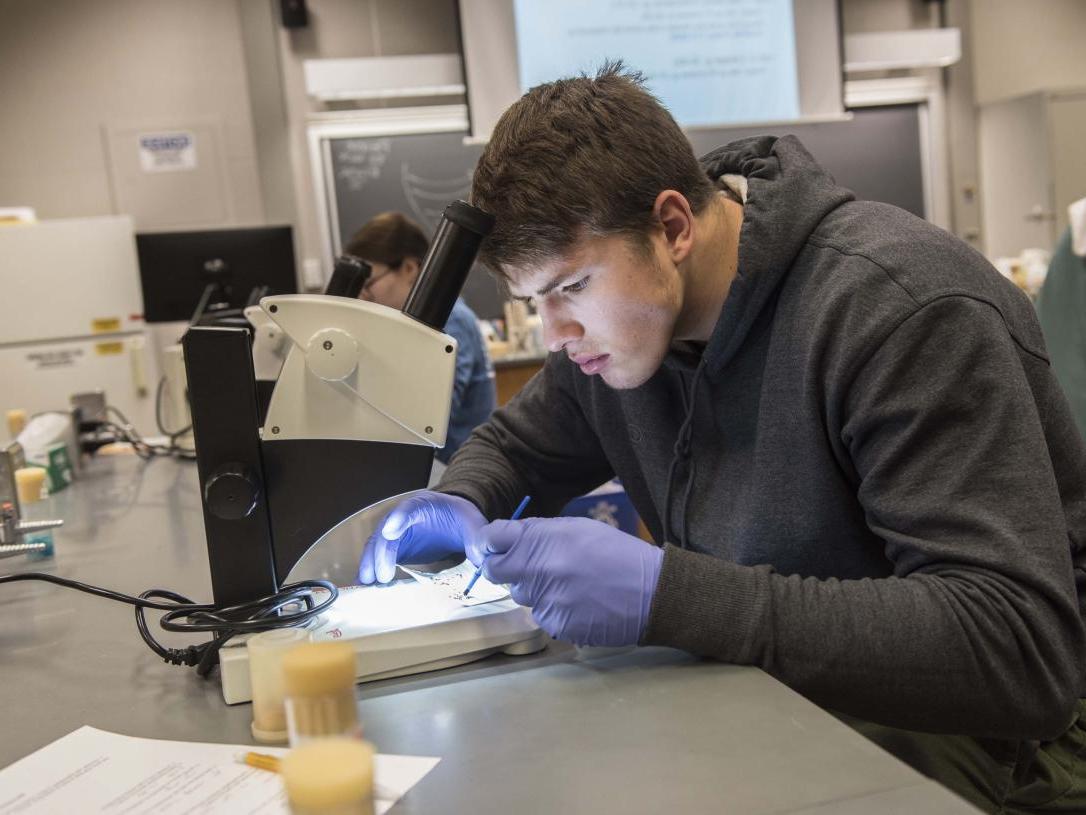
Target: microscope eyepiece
[[349, 275]]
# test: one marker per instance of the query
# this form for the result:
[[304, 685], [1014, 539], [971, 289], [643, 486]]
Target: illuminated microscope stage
[[409, 626]]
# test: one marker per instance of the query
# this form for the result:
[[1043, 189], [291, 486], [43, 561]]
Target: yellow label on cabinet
[[105, 325], [107, 348]]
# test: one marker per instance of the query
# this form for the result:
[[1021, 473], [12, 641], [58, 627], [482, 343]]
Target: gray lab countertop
[[566, 730]]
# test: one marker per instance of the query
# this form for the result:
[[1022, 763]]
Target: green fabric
[[1000, 777], [1061, 306]]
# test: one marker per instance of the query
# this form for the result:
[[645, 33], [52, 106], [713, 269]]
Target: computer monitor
[[176, 267]]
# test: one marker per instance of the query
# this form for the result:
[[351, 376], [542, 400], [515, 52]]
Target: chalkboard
[[418, 175], [876, 154]]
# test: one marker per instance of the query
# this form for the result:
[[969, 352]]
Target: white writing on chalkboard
[[359, 161], [428, 197]]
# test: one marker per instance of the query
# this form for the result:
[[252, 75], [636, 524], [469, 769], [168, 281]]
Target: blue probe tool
[[514, 517]]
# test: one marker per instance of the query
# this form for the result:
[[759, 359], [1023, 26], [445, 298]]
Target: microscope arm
[[358, 371]]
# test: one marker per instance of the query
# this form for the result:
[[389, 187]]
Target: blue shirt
[[474, 393]]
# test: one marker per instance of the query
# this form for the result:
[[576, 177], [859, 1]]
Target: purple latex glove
[[426, 527], [585, 581]]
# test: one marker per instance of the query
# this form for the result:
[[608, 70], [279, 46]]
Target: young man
[[839, 422], [395, 247]]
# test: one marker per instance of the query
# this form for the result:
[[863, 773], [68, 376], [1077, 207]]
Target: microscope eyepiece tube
[[452, 253], [349, 275]]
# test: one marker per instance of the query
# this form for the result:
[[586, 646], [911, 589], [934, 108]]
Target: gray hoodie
[[868, 484]]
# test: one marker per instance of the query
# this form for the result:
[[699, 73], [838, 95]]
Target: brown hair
[[576, 157], [389, 238]]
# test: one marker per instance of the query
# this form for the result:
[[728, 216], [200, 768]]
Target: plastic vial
[[29, 484], [266, 652], [16, 422], [329, 777], [319, 681]]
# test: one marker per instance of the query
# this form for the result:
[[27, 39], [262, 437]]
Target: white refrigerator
[[71, 318]]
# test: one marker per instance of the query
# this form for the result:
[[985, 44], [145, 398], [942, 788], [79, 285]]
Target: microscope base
[[402, 629]]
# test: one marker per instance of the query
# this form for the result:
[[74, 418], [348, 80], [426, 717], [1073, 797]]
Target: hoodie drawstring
[[681, 452]]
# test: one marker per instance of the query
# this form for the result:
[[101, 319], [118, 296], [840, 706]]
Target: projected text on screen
[[710, 62]]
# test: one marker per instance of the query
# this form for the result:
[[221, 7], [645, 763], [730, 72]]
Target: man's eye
[[576, 287]]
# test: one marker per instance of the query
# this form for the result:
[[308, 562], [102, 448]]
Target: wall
[[965, 176], [1022, 47], [1009, 48], [344, 29], [69, 69], [260, 40], [860, 16]]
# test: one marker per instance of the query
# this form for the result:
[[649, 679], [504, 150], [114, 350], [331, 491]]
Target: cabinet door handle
[[1037, 214]]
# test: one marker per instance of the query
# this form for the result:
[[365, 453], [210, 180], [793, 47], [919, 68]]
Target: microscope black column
[[225, 426], [447, 264]]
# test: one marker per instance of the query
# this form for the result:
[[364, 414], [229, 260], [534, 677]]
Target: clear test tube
[[332, 776], [319, 681]]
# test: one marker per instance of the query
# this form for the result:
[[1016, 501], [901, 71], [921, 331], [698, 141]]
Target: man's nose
[[559, 330]]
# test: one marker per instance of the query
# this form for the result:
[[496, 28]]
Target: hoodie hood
[[788, 194]]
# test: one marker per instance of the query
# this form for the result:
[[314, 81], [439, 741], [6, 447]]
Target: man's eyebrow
[[545, 290], [553, 284]]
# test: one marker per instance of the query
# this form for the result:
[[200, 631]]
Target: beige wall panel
[[85, 190], [416, 27], [860, 16], [259, 21], [337, 29], [70, 68], [1021, 47], [192, 197]]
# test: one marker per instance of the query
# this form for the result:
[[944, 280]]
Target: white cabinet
[[1032, 165], [71, 318]]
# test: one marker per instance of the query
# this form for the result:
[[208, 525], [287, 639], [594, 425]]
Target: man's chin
[[620, 380]]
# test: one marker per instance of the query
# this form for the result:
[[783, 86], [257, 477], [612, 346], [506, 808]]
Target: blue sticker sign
[[167, 152]]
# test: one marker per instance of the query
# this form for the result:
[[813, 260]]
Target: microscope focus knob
[[231, 492], [332, 354]]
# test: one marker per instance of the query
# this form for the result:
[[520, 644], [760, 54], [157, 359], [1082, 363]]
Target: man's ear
[[410, 268], [672, 212]]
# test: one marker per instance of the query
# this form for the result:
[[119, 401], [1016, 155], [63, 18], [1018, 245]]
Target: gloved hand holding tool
[[426, 527], [479, 571], [585, 581]]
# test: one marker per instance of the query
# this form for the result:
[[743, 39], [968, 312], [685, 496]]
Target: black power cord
[[92, 437], [184, 616], [144, 449], [171, 434]]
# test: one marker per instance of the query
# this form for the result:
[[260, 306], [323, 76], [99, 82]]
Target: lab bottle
[[331, 776], [319, 680]]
